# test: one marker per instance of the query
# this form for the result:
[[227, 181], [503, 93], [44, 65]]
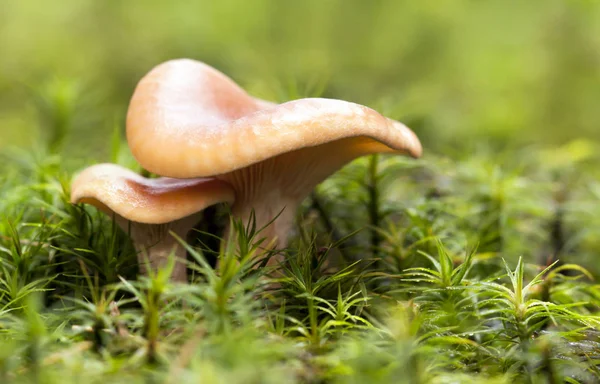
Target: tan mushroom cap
[[113, 188], [187, 119]]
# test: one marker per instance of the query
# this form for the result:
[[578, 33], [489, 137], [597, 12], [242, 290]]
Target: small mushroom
[[186, 119], [149, 208]]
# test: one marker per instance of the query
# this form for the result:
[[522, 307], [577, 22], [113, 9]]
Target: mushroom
[[149, 208], [186, 119]]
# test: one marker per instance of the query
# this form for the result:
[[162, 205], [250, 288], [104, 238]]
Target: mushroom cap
[[186, 119], [113, 188]]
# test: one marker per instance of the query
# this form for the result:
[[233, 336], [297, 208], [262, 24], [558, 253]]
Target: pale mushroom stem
[[275, 216], [154, 244], [273, 189]]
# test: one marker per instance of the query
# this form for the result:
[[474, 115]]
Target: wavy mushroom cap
[[186, 119], [112, 188]]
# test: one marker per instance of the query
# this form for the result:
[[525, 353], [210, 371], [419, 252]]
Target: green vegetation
[[475, 264]]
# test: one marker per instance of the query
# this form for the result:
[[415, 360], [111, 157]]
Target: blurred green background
[[459, 72]]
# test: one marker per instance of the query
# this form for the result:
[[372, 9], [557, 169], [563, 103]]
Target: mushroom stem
[[274, 188], [154, 244], [275, 215]]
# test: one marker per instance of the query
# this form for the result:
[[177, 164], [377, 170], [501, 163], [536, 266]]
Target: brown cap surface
[[113, 188], [187, 119]]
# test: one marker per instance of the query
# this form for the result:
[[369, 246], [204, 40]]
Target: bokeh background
[[461, 73], [504, 97]]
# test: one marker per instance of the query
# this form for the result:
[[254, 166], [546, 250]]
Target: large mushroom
[[149, 208], [186, 119]]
